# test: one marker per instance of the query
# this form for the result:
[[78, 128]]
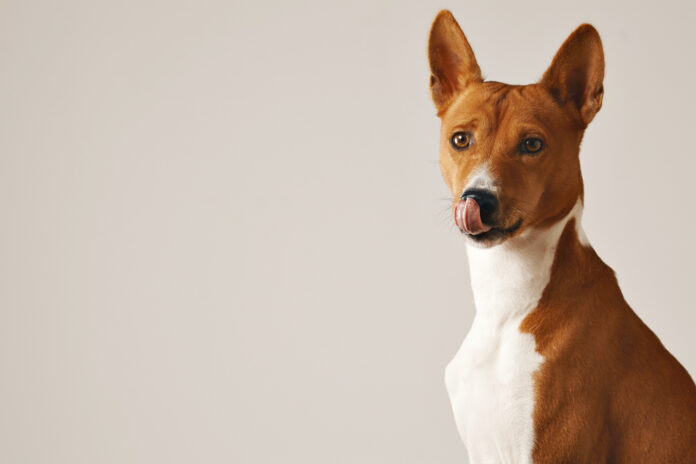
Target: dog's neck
[[509, 279]]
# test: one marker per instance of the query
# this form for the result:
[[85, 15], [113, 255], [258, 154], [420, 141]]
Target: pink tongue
[[467, 215]]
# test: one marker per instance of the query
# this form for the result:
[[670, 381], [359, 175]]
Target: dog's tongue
[[467, 215]]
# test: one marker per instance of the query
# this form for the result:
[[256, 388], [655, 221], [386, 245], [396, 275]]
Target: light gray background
[[225, 238]]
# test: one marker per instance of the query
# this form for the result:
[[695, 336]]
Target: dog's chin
[[494, 236]]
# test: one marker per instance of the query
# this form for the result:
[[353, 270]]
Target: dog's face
[[509, 154]]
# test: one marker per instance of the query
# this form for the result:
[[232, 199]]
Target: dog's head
[[509, 153]]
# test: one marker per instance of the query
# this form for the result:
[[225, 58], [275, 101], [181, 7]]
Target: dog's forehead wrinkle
[[523, 113], [501, 99]]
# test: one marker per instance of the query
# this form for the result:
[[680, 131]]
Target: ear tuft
[[576, 74], [452, 62]]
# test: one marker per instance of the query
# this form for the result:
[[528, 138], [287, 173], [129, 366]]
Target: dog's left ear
[[452, 62], [576, 74]]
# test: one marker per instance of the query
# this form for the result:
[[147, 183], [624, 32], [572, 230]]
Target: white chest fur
[[490, 380]]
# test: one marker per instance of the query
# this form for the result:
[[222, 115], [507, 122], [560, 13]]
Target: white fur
[[490, 380], [481, 179], [582, 237]]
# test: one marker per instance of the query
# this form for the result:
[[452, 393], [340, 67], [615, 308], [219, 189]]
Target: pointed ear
[[577, 72], [452, 62]]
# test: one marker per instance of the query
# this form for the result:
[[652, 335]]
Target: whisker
[[524, 213]]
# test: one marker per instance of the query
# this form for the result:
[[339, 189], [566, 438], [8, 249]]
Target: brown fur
[[608, 390]]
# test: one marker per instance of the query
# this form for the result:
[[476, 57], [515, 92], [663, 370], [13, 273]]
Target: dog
[[556, 367]]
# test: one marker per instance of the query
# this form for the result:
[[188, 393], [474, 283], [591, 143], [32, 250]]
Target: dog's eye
[[531, 145], [461, 140]]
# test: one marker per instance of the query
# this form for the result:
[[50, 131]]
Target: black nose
[[487, 202]]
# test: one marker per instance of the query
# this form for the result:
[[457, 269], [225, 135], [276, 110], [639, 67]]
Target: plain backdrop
[[224, 234]]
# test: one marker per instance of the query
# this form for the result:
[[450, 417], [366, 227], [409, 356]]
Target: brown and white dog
[[556, 367]]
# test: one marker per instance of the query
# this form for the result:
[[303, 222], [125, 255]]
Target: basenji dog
[[556, 367]]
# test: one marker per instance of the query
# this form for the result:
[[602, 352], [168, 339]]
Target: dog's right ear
[[452, 62]]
